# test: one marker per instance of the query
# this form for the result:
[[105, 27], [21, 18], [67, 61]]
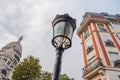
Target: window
[[17, 52], [117, 63], [4, 72], [8, 63], [105, 37], [11, 66], [92, 58], [109, 43], [89, 49], [115, 24], [4, 59], [118, 35], [15, 62], [17, 57], [101, 28], [113, 56], [86, 33], [111, 18], [119, 77]]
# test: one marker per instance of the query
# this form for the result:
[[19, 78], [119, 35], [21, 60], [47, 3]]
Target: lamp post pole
[[63, 28], [57, 66]]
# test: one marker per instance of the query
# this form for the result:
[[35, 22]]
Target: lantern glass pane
[[59, 28], [63, 32], [68, 30]]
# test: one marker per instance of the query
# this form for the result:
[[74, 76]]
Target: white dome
[[14, 45], [10, 53]]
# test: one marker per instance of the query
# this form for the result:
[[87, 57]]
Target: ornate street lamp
[[63, 28]]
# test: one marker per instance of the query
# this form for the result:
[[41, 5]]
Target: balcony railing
[[89, 49], [109, 43], [117, 63], [93, 65]]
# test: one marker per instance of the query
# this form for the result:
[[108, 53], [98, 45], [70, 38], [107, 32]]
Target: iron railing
[[91, 66]]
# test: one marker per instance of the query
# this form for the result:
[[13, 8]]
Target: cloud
[[32, 19]]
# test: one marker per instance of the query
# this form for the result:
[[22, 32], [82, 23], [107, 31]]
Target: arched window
[[4, 59], [4, 72]]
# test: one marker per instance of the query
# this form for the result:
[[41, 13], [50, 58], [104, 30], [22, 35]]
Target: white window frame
[[113, 53], [101, 28], [86, 33], [118, 35], [115, 24]]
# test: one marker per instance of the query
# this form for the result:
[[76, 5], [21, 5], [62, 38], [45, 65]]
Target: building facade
[[9, 56], [100, 35]]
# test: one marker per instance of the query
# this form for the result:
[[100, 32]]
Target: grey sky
[[32, 18]]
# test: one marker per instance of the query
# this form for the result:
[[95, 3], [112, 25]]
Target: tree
[[65, 77], [46, 75], [28, 69]]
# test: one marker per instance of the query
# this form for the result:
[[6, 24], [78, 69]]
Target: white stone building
[[9, 56]]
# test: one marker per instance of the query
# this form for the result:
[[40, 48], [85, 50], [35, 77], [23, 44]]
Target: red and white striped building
[[100, 34]]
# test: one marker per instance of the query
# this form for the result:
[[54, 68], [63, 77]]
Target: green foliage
[[65, 77], [28, 69], [46, 75]]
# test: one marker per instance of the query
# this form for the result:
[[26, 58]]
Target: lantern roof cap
[[64, 17]]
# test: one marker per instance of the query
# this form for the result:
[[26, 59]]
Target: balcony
[[89, 49], [109, 43], [117, 63], [102, 30], [92, 66]]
